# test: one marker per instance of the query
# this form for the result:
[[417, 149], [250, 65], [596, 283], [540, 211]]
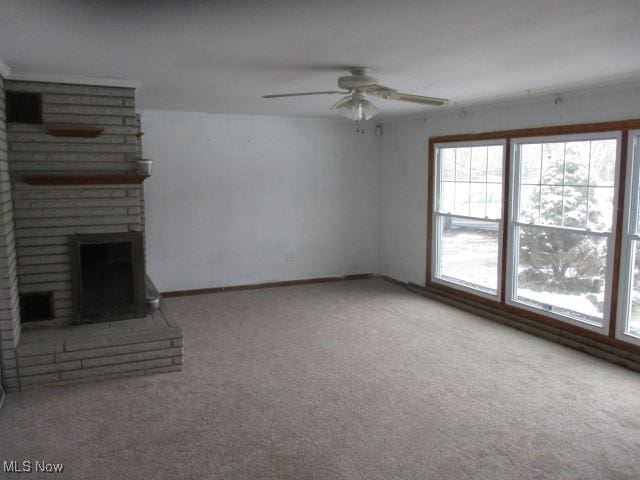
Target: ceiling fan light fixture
[[357, 110], [368, 109]]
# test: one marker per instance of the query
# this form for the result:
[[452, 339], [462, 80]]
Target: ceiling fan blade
[[329, 92], [408, 97], [376, 89]]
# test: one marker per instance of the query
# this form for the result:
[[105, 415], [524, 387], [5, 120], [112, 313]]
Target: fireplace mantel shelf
[[72, 130], [113, 179]]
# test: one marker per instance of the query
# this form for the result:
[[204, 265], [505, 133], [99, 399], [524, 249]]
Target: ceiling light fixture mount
[[356, 86]]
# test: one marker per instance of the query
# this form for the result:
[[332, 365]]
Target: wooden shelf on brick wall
[[115, 179], [65, 130]]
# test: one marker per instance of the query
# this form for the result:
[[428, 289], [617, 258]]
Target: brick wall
[[45, 216], [9, 308]]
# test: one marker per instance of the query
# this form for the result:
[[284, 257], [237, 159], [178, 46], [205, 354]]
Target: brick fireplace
[[74, 294]]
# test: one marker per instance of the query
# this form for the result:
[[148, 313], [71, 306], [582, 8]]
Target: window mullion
[[539, 184], [486, 181], [564, 169], [469, 182], [563, 229], [466, 217], [589, 182]]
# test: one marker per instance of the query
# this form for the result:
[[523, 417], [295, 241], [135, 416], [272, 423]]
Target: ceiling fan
[[356, 87]]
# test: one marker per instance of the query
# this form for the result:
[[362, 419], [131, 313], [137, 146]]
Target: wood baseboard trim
[[627, 359], [256, 286], [394, 281]]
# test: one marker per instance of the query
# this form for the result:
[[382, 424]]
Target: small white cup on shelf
[[144, 166]]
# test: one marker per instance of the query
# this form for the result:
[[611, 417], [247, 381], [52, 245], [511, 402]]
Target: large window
[[561, 236], [629, 298], [468, 215], [571, 227]]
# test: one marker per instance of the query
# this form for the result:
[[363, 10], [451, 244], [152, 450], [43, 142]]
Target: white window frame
[[435, 217], [629, 226], [513, 225]]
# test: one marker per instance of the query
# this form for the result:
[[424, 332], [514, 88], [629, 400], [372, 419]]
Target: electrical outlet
[[289, 257]]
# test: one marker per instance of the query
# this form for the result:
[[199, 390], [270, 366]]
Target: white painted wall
[[239, 199], [232, 197], [403, 191]]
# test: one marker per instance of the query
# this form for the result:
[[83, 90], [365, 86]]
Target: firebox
[[108, 277]]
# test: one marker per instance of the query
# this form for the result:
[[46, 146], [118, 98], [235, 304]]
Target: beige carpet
[[353, 380]]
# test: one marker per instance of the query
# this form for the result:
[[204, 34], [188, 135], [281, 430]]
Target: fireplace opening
[[36, 306], [107, 265], [108, 273]]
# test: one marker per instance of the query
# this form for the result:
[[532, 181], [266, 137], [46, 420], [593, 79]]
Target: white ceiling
[[221, 56]]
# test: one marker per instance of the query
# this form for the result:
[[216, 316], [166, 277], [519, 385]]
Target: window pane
[[470, 167], [530, 158], [495, 154], [576, 165], [552, 163], [463, 164], [574, 206], [494, 200], [447, 197], [468, 252], [577, 179], [633, 324], [447, 164], [562, 272], [600, 208], [462, 199], [603, 162], [529, 204], [551, 206], [478, 164], [477, 207]]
